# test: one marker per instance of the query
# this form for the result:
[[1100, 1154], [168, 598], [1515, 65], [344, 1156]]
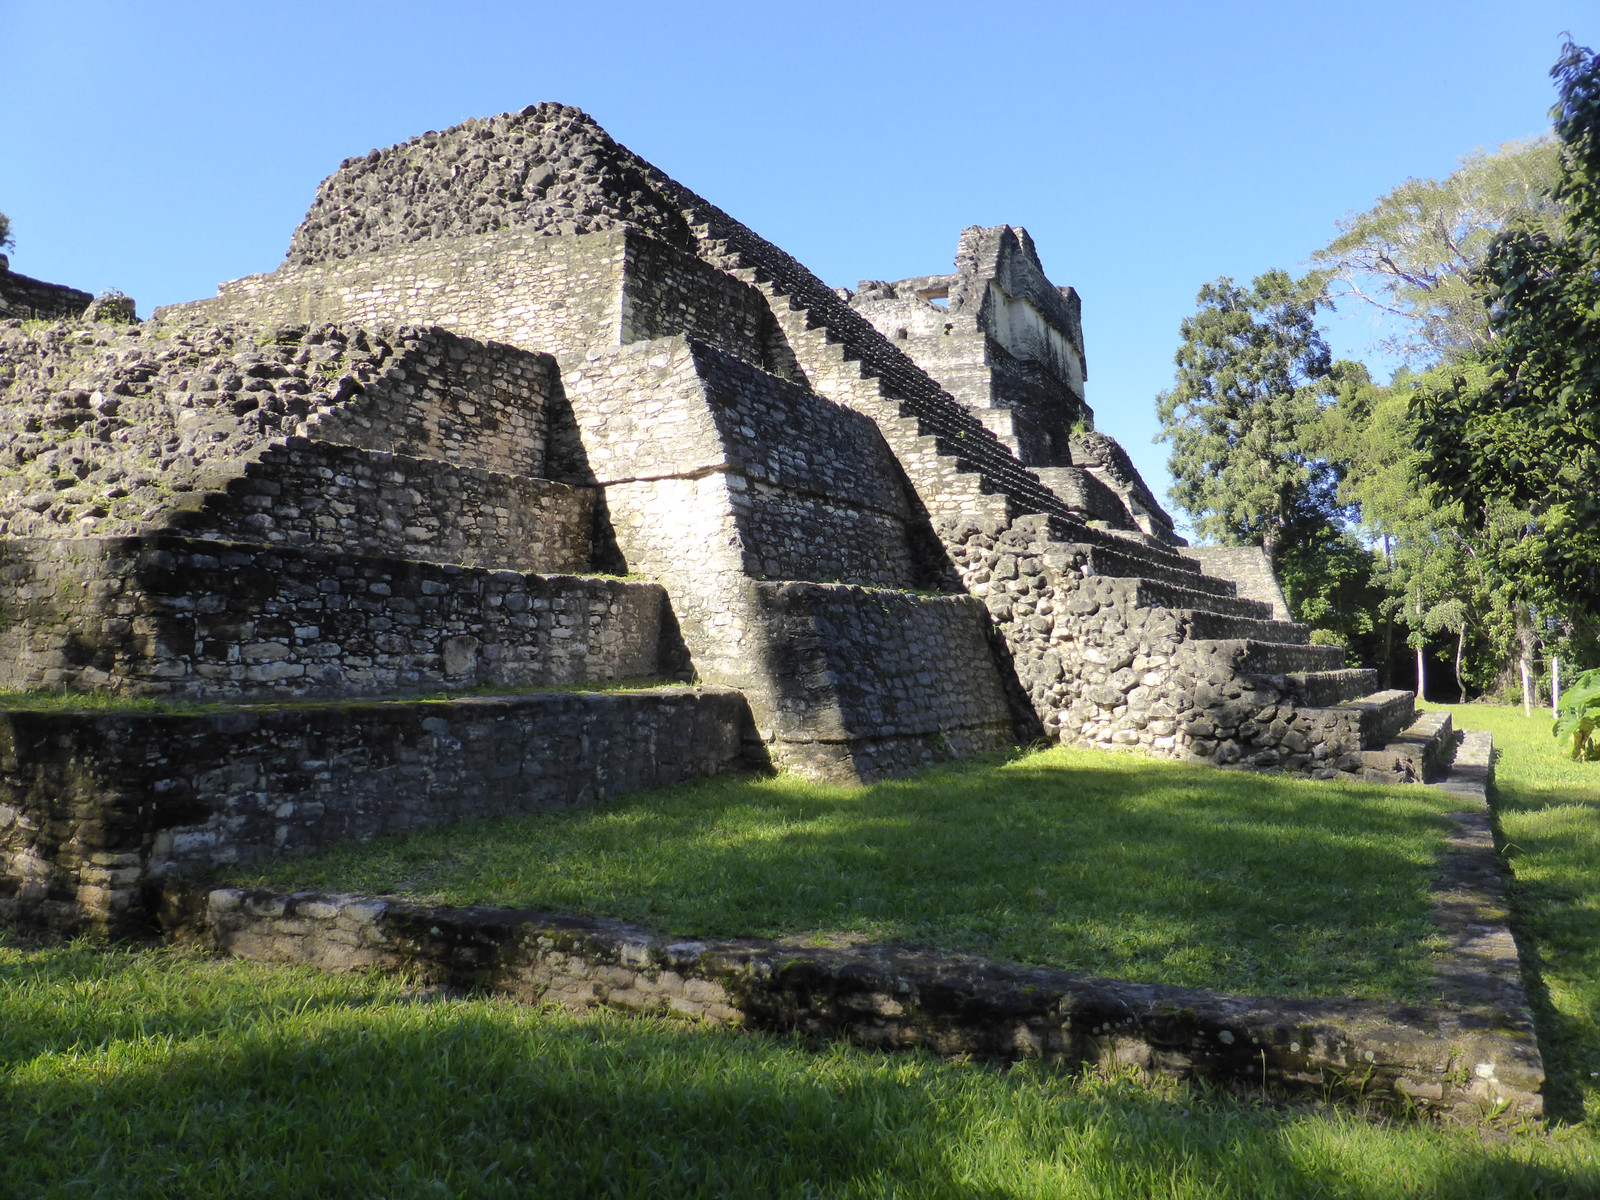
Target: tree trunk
[[1461, 646], [1385, 670], [1555, 686], [1422, 665], [1386, 666], [1525, 664]]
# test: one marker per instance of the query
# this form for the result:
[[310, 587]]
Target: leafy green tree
[[1253, 372], [1430, 569], [1413, 254], [1518, 423]]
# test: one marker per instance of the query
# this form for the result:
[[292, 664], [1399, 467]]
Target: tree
[[5, 232], [1518, 423], [1252, 374], [1412, 255]]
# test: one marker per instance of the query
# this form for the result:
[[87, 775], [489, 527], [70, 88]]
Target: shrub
[[1577, 727]]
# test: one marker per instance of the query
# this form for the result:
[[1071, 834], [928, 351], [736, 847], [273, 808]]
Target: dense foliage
[[1519, 423], [1453, 511]]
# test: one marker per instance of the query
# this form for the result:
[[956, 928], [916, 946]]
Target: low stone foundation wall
[[96, 808], [886, 998], [1470, 1053]]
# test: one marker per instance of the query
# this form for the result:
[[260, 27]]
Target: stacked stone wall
[[717, 474], [95, 808], [813, 490], [1120, 663], [27, 299], [450, 398], [185, 617], [911, 679], [305, 493], [562, 295]]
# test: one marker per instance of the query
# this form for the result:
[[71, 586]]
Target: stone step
[[1382, 715], [1130, 560], [1420, 754], [1289, 659], [1322, 689], [1208, 625], [1173, 565], [1159, 593]]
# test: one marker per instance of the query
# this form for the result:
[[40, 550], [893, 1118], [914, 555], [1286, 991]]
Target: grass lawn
[[158, 1074], [1109, 863]]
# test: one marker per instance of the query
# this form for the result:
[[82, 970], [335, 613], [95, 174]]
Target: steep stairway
[[964, 473]]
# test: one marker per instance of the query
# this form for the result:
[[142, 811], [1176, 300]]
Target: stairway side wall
[[1250, 570], [1102, 666], [716, 475]]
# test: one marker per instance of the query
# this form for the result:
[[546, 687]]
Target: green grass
[[1547, 808], [135, 1074], [1113, 864], [157, 1074], [56, 700]]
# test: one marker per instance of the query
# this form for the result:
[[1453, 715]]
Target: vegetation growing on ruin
[[1069, 858], [43, 700]]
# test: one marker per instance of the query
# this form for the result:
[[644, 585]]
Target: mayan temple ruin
[[519, 410]]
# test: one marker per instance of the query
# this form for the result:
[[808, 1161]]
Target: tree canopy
[[1518, 424], [1252, 371], [1413, 254]]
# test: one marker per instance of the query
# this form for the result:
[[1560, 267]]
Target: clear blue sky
[[1149, 147]]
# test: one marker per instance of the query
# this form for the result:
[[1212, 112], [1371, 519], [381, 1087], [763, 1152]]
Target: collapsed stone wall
[[548, 167], [104, 428], [189, 618], [103, 425], [96, 808]]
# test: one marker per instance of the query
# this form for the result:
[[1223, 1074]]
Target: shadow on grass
[[342, 1087], [1125, 868]]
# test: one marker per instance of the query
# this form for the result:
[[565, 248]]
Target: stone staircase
[[962, 472]]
